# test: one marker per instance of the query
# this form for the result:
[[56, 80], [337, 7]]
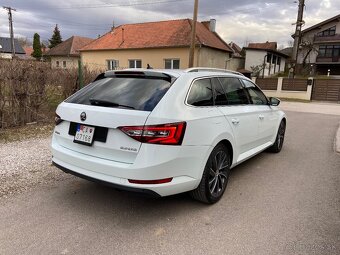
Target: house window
[[135, 63], [278, 60], [64, 64], [274, 59], [269, 58], [171, 63], [328, 32], [112, 64], [57, 63], [329, 51]]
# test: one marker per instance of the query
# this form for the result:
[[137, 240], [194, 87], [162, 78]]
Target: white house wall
[[257, 57], [254, 58]]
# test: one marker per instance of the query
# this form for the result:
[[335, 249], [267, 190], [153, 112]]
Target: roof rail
[[208, 69]]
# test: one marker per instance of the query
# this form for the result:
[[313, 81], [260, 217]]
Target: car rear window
[[131, 93]]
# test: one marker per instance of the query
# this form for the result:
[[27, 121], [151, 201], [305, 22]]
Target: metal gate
[[326, 90]]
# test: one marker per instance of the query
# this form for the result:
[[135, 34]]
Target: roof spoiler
[[135, 74]]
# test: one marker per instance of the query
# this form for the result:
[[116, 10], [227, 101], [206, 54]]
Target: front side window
[[64, 64], [171, 63], [236, 94], [112, 64], [57, 63], [201, 93], [135, 63], [256, 95]]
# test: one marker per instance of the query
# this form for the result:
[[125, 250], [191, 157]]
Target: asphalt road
[[287, 203]]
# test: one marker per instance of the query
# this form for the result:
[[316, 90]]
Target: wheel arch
[[228, 144]]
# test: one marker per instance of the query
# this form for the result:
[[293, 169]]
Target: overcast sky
[[240, 21]]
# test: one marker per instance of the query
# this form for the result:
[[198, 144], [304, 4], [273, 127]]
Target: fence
[[30, 90], [285, 88], [318, 89]]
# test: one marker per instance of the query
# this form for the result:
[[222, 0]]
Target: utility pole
[[193, 36], [297, 37], [10, 19]]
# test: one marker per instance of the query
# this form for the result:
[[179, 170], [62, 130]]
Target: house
[[66, 54], [163, 44], [237, 61], [264, 59], [6, 48], [29, 51], [320, 47]]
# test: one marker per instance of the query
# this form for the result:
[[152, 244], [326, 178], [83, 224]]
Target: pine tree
[[36, 47], [56, 37]]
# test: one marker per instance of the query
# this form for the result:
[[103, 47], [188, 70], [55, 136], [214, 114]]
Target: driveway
[[285, 203]]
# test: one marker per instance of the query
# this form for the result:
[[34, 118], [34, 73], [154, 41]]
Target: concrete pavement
[[315, 107], [312, 107], [286, 203]]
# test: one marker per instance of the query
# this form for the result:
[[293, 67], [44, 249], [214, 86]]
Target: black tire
[[215, 176], [280, 137]]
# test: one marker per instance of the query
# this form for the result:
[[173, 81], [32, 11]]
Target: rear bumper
[[116, 186], [185, 167]]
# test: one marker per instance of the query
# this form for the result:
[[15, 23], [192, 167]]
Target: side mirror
[[274, 101]]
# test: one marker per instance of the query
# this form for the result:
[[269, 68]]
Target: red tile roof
[[162, 34], [70, 47], [28, 51], [263, 46]]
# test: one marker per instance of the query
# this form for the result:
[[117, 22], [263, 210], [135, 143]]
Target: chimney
[[212, 25]]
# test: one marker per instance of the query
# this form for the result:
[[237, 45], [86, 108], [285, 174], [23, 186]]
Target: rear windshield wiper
[[101, 102]]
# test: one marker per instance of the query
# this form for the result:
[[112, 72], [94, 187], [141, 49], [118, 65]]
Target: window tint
[[139, 93], [256, 95], [219, 94], [201, 93], [234, 90]]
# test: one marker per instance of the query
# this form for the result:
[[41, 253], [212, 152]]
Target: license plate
[[84, 134]]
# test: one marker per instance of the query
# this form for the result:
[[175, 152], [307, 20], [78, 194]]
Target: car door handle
[[235, 121], [261, 117]]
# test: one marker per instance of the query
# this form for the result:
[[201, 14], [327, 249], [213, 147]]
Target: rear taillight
[[170, 134], [57, 119]]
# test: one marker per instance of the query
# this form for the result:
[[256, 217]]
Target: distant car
[[164, 132]]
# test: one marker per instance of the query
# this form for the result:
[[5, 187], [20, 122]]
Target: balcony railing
[[334, 60], [324, 39]]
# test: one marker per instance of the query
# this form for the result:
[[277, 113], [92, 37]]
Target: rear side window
[[130, 93], [234, 90], [220, 97], [201, 93]]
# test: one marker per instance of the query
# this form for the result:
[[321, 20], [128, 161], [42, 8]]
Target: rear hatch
[[91, 118]]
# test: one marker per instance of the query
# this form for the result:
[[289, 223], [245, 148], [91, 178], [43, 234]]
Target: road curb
[[337, 140]]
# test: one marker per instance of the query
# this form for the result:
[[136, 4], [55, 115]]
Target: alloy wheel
[[218, 173]]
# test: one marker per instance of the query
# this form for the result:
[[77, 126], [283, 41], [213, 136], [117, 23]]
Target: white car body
[[249, 129]]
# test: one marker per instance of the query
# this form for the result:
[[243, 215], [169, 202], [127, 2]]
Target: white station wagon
[[163, 132]]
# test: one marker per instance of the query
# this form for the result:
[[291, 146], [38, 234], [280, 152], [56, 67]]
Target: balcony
[[327, 39], [328, 60]]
